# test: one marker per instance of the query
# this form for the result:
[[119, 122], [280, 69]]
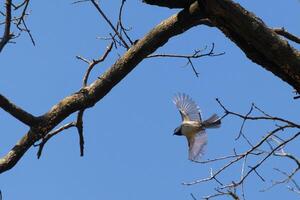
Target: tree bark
[[259, 43]]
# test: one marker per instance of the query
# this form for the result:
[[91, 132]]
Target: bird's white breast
[[189, 128]]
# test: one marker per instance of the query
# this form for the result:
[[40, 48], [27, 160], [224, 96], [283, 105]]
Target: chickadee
[[192, 126]]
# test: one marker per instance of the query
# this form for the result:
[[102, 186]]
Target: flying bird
[[192, 126]]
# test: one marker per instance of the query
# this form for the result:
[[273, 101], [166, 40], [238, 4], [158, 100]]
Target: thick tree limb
[[14, 155], [260, 43], [17, 112], [170, 3], [91, 94]]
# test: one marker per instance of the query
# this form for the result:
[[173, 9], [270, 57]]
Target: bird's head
[[177, 131]]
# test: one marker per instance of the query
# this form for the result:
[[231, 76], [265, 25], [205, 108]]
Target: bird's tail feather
[[213, 122]]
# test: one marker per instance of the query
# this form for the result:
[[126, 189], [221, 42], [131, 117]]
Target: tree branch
[[6, 35], [88, 96], [50, 135], [110, 24], [17, 112], [94, 63], [79, 126], [262, 161], [195, 55], [259, 42], [284, 33]]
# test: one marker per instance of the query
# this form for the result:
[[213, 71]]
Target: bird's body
[[192, 126]]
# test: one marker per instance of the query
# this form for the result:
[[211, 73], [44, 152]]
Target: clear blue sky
[[130, 152]]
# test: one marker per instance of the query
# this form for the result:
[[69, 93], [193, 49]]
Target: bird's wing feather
[[187, 107], [197, 144]]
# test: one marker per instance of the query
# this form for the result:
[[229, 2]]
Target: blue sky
[[130, 152]]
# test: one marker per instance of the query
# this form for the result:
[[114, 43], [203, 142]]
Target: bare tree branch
[[79, 126], [254, 39], [17, 112], [110, 24], [247, 117], [219, 193], [195, 55], [6, 34], [257, 152], [94, 63], [260, 163], [88, 96], [50, 135], [120, 23], [284, 33], [19, 21]]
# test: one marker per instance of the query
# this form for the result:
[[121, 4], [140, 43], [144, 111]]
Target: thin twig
[[195, 55], [222, 193], [28, 32], [16, 7], [289, 177], [244, 120], [79, 126], [80, 1], [94, 63], [50, 135], [25, 3], [17, 112], [120, 22], [257, 117], [262, 161], [286, 34], [109, 23], [193, 197], [237, 157]]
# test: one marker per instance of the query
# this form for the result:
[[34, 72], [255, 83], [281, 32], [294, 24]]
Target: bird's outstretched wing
[[188, 109], [197, 144]]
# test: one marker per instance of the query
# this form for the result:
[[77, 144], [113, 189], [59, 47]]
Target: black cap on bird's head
[[177, 131]]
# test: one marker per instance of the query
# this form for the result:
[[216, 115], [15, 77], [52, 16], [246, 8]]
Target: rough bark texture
[[260, 43], [91, 94]]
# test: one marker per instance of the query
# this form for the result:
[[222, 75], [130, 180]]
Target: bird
[[192, 125]]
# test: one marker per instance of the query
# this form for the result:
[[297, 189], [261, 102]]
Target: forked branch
[[6, 34], [256, 153], [88, 96]]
